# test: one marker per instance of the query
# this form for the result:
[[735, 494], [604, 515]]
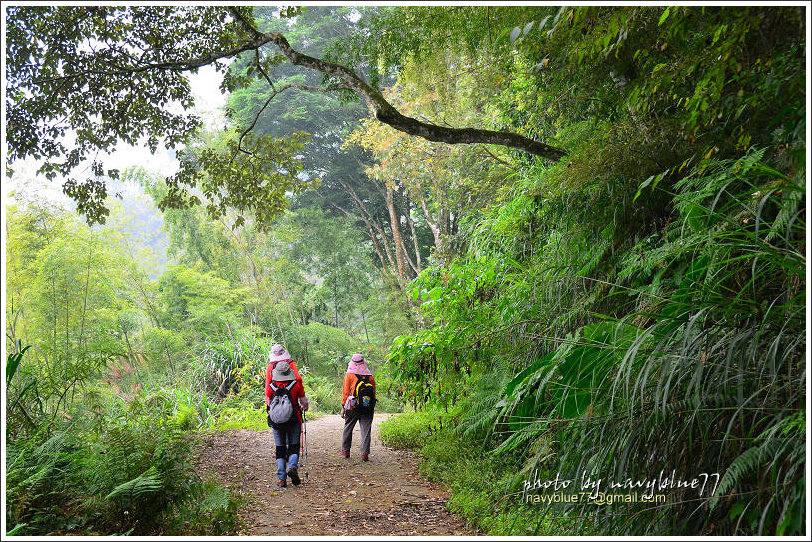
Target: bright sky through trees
[[208, 104]]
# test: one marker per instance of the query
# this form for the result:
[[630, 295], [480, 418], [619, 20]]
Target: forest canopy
[[106, 74], [570, 241]]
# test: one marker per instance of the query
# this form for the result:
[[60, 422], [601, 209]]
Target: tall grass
[[709, 378], [593, 343]]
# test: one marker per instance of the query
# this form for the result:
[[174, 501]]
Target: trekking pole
[[304, 442]]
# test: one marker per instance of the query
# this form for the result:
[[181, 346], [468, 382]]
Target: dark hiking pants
[[365, 422]]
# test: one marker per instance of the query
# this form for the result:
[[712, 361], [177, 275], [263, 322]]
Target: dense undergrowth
[[679, 352], [115, 465], [633, 311], [120, 458], [636, 312]]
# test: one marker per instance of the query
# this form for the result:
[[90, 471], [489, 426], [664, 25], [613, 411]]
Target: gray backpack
[[280, 410]]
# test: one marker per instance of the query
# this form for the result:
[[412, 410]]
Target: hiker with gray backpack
[[285, 403], [358, 399]]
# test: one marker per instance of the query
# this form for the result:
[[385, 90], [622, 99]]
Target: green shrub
[[238, 413], [231, 365], [324, 349], [411, 430], [125, 469], [164, 348], [209, 510], [324, 393], [184, 417]]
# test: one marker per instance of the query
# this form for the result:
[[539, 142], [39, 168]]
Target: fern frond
[[752, 459], [138, 489]]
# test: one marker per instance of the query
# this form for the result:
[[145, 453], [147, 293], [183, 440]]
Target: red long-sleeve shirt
[[268, 377]]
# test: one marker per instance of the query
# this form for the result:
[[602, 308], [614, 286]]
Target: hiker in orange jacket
[[353, 411]]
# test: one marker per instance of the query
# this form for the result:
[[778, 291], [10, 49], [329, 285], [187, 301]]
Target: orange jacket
[[350, 380]]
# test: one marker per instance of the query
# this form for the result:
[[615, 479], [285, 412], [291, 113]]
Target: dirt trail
[[339, 496]]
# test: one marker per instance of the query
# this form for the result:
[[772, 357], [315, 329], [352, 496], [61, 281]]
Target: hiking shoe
[[281, 483], [365, 457], [294, 476], [345, 454]]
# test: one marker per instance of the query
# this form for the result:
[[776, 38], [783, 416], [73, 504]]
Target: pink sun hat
[[358, 366], [278, 353]]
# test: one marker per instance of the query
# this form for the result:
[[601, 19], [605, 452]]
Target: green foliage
[[130, 473], [611, 394], [243, 172], [640, 303], [209, 510], [324, 393], [324, 116], [325, 349], [233, 365], [24, 405], [69, 84], [13, 362], [143, 488], [70, 298], [239, 412], [164, 345], [200, 301], [332, 248], [184, 417], [421, 31], [410, 430]]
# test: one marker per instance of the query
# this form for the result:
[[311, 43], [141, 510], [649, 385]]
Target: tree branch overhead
[[387, 114]]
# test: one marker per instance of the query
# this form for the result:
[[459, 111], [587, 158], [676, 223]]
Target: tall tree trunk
[[415, 241], [335, 299], [67, 325], [55, 309], [370, 220], [364, 320], [403, 248], [288, 305], [430, 220], [377, 247], [396, 237]]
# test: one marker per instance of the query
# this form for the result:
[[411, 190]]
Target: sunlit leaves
[[81, 79], [243, 172]]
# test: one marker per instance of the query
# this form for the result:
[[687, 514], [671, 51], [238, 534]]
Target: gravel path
[[338, 496]]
